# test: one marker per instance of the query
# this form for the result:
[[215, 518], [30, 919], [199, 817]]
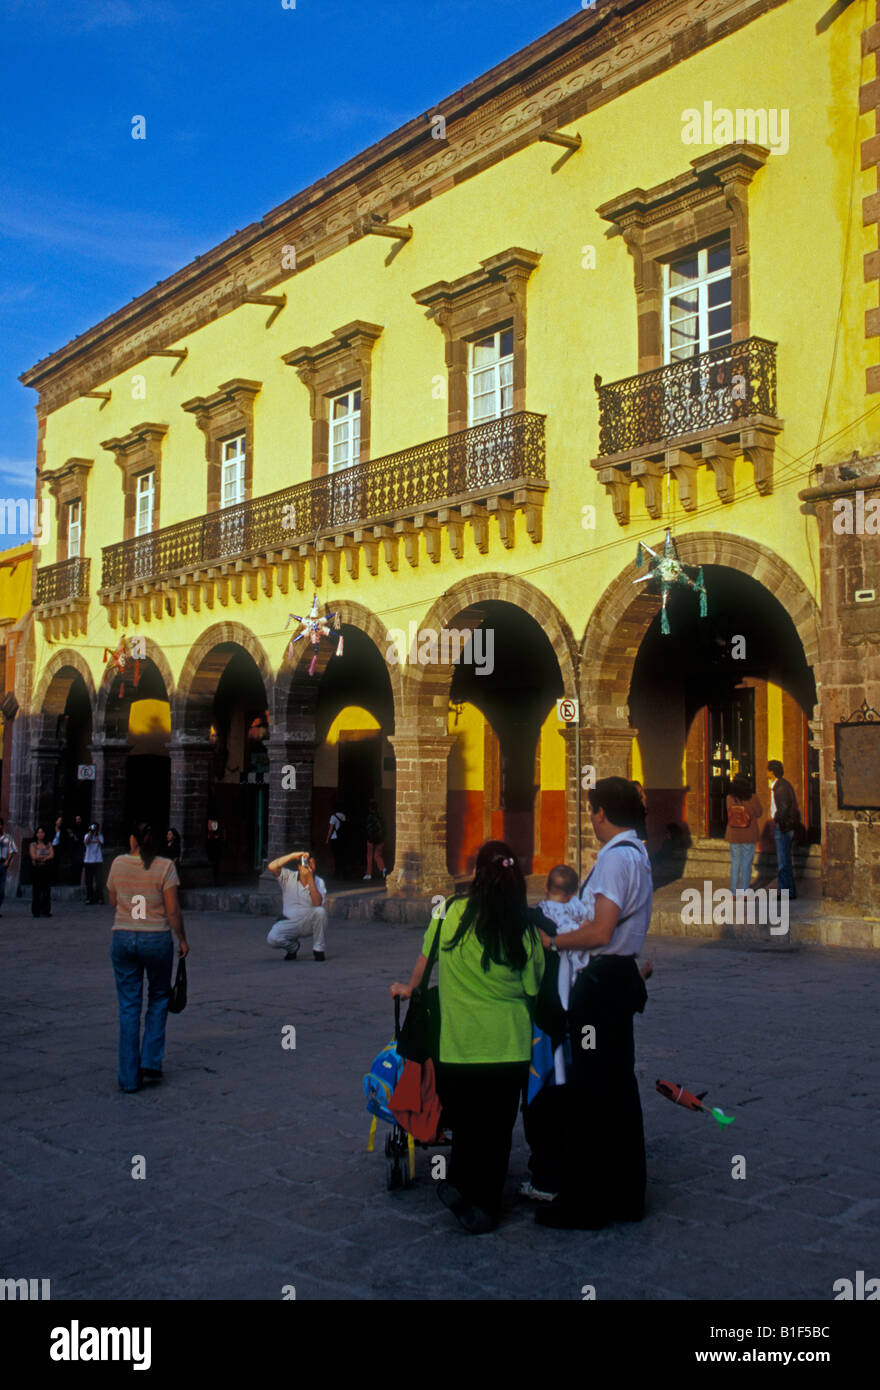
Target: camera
[[304, 861]]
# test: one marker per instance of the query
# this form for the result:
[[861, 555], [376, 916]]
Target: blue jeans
[[741, 859], [784, 869], [133, 952]]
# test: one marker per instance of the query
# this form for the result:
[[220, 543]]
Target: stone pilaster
[[849, 565], [420, 857]]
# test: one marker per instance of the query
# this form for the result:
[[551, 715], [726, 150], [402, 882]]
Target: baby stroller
[[398, 1090], [380, 1083]]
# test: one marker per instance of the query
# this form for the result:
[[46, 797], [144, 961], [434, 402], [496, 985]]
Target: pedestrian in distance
[[743, 816], [785, 816], [8, 851], [143, 890], [490, 965], [375, 840], [93, 858], [336, 839], [602, 1164], [77, 853], [214, 848], [173, 841], [302, 897], [41, 857]]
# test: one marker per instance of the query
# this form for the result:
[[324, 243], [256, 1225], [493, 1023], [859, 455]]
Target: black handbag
[[548, 1013], [177, 1002], [419, 1036]]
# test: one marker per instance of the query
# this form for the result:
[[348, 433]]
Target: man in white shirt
[[8, 851], [302, 896], [603, 1163]]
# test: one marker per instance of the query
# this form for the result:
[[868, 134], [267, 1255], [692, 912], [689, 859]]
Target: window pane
[[719, 324], [485, 352], [683, 305], [682, 271], [718, 256], [507, 343], [357, 400], [719, 292]]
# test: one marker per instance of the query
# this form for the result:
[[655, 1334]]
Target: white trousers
[[307, 921]]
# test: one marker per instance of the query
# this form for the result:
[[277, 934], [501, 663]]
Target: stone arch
[[622, 617], [52, 690], [422, 687], [156, 655], [294, 688], [205, 665]]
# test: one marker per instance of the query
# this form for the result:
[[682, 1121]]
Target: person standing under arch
[[41, 856]]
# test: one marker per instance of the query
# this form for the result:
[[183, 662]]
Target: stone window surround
[[672, 218], [68, 484], [229, 412], [139, 451], [341, 363], [473, 306]]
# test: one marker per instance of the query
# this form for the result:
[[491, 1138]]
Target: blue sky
[[245, 104]]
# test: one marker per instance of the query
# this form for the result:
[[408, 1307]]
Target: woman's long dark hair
[[741, 787], [143, 833], [496, 908]]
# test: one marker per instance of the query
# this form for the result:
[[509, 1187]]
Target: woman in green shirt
[[490, 965]]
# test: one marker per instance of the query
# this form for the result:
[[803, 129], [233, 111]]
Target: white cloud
[[123, 236], [17, 477]]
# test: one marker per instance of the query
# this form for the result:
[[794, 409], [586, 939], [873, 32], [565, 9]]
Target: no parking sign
[[566, 710]]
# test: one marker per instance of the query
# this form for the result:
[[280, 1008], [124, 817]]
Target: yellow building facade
[[615, 286]]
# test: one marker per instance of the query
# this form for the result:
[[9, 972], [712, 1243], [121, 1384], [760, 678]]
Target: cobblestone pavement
[[257, 1174]]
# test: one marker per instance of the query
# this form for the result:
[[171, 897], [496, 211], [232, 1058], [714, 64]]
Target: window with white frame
[[490, 377], [697, 302], [74, 528], [345, 429], [144, 495], [232, 473]]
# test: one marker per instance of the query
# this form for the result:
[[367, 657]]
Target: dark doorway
[[147, 792], [360, 777], [731, 751]]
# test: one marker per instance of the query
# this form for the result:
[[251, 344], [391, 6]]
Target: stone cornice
[[353, 338], [515, 265], [236, 396], [69, 473], [141, 447], [734, 163], [585, 62]]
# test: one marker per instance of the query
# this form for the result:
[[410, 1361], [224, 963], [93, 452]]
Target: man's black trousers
[[603, 1160]]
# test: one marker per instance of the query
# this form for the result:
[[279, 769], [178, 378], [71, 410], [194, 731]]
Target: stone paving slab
[[257, 1170]]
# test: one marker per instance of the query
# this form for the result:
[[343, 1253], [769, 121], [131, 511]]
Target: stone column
[[291, 778], [420, 856], [191, 759], [45, 757], [108, 802]]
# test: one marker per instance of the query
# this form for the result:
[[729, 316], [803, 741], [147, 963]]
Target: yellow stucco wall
[[580, 321]]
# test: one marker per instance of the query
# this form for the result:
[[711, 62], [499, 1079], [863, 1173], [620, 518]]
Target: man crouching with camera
[[302, 895]]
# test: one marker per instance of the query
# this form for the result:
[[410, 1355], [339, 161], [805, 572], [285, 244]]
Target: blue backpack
[[380, 1081]]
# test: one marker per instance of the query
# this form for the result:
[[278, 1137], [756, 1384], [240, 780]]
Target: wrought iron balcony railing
[[472, 461], [63, 582], [714, 389]]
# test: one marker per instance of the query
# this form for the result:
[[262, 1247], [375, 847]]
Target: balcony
[[62, 597], [494, 469], [707, 410]]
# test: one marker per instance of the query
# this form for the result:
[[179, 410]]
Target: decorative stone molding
[[589, 60], [68, 484], [342, 362], [477, 304], [139, 451], [869, 102], [230, 411], [708, 200]]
